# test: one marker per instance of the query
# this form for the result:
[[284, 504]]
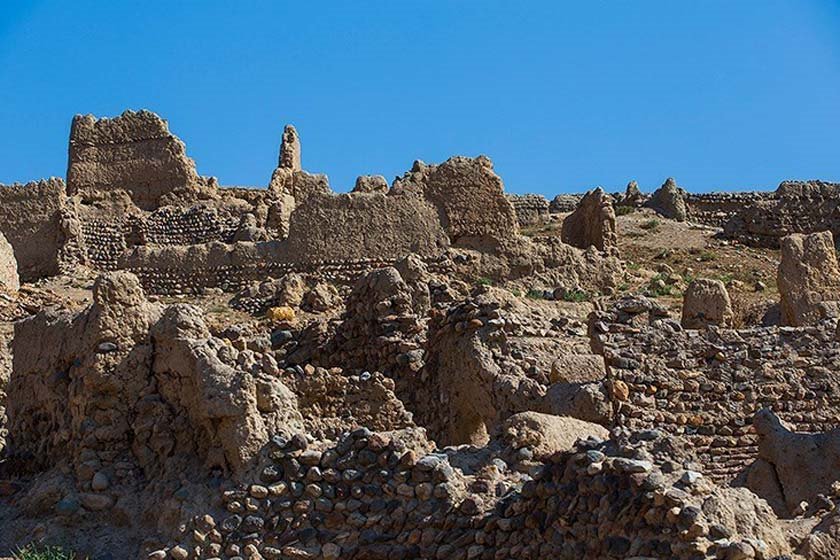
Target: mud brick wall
[[705, 386]]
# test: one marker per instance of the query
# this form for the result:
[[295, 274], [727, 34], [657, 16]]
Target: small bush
[[516, 293], [535, 294], [650, 225], [707, 256], [33, 552], [575, 296], [484, 281], [624, 210]]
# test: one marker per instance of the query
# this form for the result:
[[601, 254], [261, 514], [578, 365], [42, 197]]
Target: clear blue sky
[[721, 94]]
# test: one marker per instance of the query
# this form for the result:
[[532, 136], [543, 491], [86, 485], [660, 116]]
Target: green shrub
[[624, 210], [535, 294], [484, 281], [659, 286], [650, 225], [707, 256], [575, 296]]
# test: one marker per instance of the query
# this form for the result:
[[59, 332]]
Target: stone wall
[[706, 385], [105, 240], [530, 208], [134, 152], [716, 209], [31, 220], [761, 219]]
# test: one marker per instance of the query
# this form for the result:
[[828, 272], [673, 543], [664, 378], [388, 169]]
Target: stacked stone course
[[706, 385], [530, 208]]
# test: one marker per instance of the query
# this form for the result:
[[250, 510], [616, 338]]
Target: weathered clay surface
[[290, 149], [803, 464]]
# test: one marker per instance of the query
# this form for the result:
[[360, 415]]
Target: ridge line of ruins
[[430, 368]]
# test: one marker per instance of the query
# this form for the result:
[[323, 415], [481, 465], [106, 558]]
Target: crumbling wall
[[134, 153], [107, 238], [31, 219], [718, 208], [627, 497]]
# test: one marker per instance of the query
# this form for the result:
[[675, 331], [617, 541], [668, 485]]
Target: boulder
[[9, 280], [546, 434], [592, 224], [808, 278], [706, 302], [669, 200]]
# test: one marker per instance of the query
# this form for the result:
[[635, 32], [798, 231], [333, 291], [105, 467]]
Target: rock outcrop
[[808, 278], [9, 280], [706, 302], [592, 224], [669, 200]]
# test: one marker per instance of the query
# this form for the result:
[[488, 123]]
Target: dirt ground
[[663, 256]]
